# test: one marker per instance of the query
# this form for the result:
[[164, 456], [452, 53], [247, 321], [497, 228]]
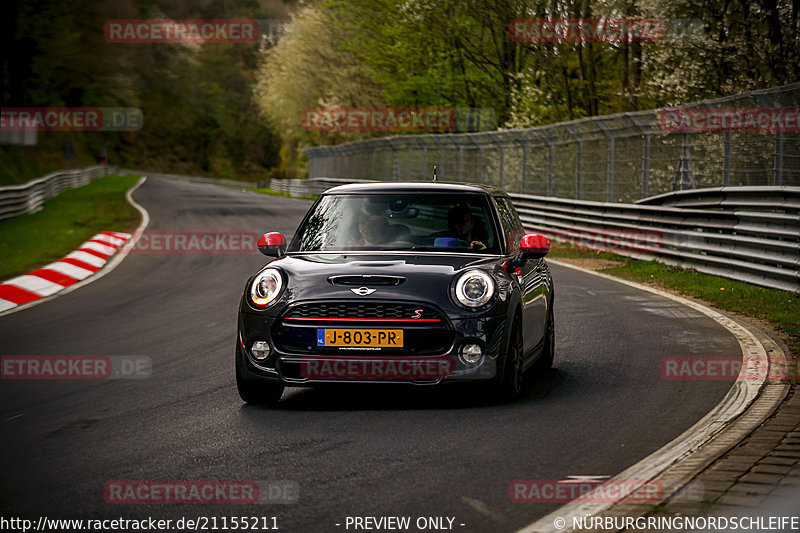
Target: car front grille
[[362, 310], [426, 329]]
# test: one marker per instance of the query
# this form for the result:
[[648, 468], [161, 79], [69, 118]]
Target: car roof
[[381, 187]]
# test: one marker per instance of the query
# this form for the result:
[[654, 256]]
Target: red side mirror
[[272, 244], [534, 246]]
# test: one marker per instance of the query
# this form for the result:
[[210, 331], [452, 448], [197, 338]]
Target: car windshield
[[403, 222]]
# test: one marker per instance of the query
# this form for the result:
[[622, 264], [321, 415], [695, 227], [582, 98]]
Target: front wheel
[[549, 349], [511, 383], [257, 392]]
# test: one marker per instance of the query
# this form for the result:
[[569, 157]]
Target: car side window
[[510, 222]]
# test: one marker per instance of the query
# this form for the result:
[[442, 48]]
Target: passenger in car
[[463, 226]]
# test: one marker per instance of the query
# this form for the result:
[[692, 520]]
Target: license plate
[[372, 338]]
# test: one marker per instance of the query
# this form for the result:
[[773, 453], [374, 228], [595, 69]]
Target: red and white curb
[[90, 257]]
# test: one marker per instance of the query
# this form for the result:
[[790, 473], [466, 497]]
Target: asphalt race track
[[354, 451]]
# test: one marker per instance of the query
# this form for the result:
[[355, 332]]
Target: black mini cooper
[[416, 283]]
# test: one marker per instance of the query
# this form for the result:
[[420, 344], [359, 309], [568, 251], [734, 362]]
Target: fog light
[[471, 353], [260, 350]]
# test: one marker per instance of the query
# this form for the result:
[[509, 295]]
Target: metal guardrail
[[754, 236], [29, 197], [756, 198], [311, 187], [750, 234], [292, 187], [193, 179], [614, 158]]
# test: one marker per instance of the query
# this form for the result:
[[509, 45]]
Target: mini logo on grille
[[417, 313], [363, 291]]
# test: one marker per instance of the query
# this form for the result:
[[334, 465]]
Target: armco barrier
[[751, 198], [311, 187], [193, 179], [750, 234], [292, 187], [29, 197]]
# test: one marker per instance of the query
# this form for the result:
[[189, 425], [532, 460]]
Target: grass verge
[[31, 241], [781, 309]]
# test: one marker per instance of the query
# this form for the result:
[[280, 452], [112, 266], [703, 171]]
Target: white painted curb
[[741, 395]]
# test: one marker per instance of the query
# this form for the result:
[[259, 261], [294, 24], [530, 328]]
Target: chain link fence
[[613, 158]]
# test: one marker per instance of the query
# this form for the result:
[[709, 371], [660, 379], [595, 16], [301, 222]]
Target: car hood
[[422, 277]]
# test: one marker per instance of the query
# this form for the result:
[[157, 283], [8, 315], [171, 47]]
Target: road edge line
[[679, 461], [115, 260]]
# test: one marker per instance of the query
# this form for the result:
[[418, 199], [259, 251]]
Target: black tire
[[257, 392], [545, 362], [512, 383]]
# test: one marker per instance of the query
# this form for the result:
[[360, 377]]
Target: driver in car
[[373, 228], [462, 226], [376, 230]]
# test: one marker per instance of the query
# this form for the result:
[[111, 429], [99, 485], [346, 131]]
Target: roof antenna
[[434, 172]]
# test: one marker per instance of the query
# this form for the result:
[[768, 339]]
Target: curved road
[[354, 451]]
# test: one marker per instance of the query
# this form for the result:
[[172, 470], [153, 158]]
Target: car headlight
[[474, 288], [266, 287]]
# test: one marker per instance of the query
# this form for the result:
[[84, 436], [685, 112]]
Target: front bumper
[[431, 353]]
